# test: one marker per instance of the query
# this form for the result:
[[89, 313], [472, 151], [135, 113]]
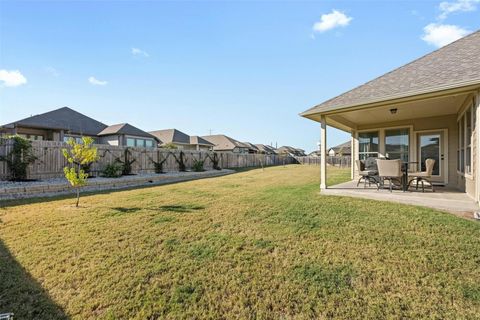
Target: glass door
[[430, 146]]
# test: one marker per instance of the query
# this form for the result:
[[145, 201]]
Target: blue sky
[[244, 68]]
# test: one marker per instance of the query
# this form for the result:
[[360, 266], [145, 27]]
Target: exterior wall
[[110, 140], [448, 122], [46, 134]]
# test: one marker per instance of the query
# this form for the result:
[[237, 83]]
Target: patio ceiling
[[433, 107]]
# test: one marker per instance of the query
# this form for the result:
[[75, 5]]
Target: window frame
[[465, 142], [369, 154]]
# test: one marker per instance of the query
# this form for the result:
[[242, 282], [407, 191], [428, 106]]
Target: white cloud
[[96, 82], [51, 70], [440, 35], [447, 7], [139, 52], [332, 20], [12, 78]]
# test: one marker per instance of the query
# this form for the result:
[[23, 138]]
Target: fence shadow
[[23, 295]]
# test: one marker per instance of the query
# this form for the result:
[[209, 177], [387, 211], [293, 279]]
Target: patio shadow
[[23, 295]]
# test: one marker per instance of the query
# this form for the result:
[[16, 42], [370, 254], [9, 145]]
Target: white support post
[[353, 152], [323, 153], [476, 164]]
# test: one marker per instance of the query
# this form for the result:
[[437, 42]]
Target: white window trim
[[412, 145], [469, 107]]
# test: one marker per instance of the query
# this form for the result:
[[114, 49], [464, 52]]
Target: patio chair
[[423, 176], [390, 170], [366, 174]]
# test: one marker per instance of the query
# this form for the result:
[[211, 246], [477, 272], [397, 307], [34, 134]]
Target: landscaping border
[[55, 187]]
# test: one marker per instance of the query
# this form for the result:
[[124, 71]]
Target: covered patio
[[427, 109], [444, 198]]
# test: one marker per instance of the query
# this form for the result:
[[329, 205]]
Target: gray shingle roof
[[345, 148], [266, 148], [62, 119], [250, 146], [455, 65], [223, 142], [171, 136], [200, 141], [125, 128]]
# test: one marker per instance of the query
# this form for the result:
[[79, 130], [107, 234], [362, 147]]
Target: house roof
[[453, 66], [250, 145], [265, 148], [62, 119], [171, 136], [223, 142], [345, 147], [291, 150], [125, 128], [200, 141]]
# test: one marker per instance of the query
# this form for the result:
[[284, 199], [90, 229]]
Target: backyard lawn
[[255, 244]]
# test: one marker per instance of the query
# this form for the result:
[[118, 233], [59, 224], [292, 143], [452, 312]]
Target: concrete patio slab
[[444, 198]]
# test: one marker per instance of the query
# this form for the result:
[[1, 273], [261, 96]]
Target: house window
[[31, 136], [397, 144], [466, 127], [130, 142], [149, 143], [140, 143], [368, 145], [468, 141]]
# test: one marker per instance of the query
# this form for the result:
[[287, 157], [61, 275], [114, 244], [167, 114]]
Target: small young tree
[[78, 155]]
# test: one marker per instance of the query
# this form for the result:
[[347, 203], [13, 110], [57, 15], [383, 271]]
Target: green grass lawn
[[256, 244]]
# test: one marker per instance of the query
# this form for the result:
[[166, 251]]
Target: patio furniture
[[366, 174], [423, 176], [390, 170], [405, 168]]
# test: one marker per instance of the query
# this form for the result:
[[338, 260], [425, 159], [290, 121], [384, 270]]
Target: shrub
[[181, 161], [79, 154], [112, 170], [198, 165], [19, 158], [158, 165], [126, 162], [170, 146]]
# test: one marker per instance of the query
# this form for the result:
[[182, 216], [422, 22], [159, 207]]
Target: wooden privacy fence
[[50, 161], [337, 161]]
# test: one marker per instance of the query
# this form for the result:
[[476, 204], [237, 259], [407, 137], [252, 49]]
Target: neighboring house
[[265, 149], [315, 153], [294, 152], [427, 108], [56, 125], [125, 134], [224, 143], [201, 144], [65, 123], [344, 149], [181, 140], [251, 147]]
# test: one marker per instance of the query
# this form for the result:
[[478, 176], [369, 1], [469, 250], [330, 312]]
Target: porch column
[[353, 153], [323, 153]]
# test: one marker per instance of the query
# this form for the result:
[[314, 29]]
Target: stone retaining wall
[[55, 187]]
